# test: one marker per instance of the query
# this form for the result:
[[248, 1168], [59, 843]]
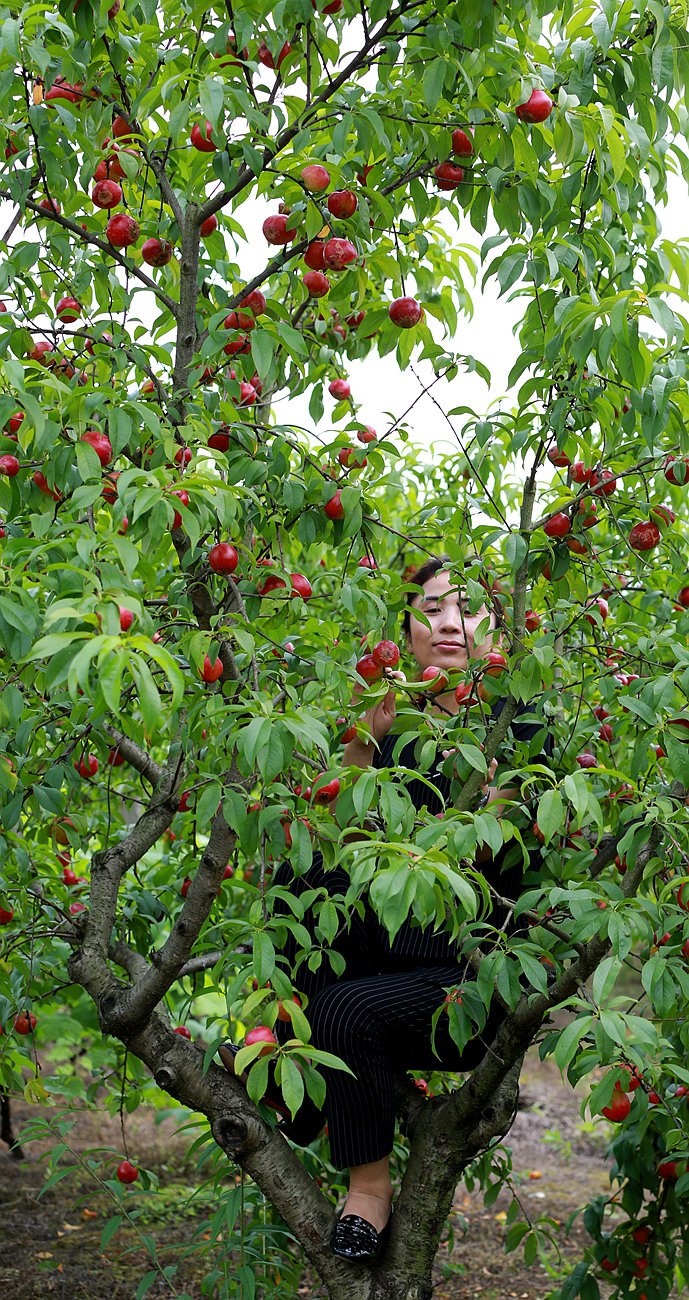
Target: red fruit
[[587, 760], [126, 618], [62, 89], [261, 1034], [24, 1022], [603, 610], [326, 793], [558, 526], [386, 654], [337, 253], [667, 1169], [367, 434], [640, 1266], [272, 583], [352, 456], [605, 483], [367, 562], [496, 663], [50, 206], [247, 394], [209, 225], [538, 833], [682, 599], [660, 752], [76, 908], [576, 546], [532, 621], [219, 441], [462, 142], [641, 1235], [644, 536], [182, 1031], [579, 472], [14, 422], [334, 508], [301, 586], [340, 389], [633, 1079], [609, 1265], [110, 486], [223, 558], [619, 1107], [100, 443], [314, 255], [369, 668], [448, 176], [349, 733], [41, 482], [437, 677], [68, 309], [237, 347], [464, 693], [239, 320], [127, 1172], [156, 252], [185, 886], [662, 515], [559, 458], [265, 57], [354, 320], [676, 471], [6, 914], [255, 302], [200, 137], [316, 284], [211, 671], [106, 194], [120, 127], [537, 108], [87, 766], [342, 203], [122, 231], [115, 759], [9, 466], [606, 732], [315, 178], [276, 231], [405, 312], [40, 353]]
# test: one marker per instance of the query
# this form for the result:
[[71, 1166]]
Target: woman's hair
[[428, 570]]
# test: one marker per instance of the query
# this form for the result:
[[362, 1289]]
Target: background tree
[[185, 578]]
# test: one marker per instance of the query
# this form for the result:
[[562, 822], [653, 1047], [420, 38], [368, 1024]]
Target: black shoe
[[356, 1239], [307, 1122], [272, 1096]]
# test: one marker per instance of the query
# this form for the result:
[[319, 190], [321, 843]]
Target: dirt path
[[52, 1245]]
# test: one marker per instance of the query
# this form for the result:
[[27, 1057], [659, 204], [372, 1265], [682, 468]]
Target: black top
[[423, 945]]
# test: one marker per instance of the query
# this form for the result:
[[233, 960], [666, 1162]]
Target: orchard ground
[[558, 1160]]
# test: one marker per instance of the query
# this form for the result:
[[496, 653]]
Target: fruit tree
[[189, 575]]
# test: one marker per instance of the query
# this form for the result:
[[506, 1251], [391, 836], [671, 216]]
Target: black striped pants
[[376, 1016]]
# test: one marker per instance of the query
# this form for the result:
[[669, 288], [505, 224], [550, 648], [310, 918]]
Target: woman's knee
[[341, 1020]]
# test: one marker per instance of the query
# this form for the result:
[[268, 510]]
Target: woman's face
[[449, 640]]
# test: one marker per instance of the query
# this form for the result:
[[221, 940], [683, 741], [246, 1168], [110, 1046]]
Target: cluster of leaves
[[123, 767]]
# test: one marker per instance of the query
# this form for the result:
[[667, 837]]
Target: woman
[[377, 1014]]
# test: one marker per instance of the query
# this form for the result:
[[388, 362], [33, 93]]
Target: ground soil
[[52, 1245]]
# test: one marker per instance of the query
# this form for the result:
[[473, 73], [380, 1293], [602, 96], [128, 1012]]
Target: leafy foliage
[[143, 427]]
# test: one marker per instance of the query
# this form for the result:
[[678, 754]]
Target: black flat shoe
[[308, 1121], [272, 1096], [356, 1239]]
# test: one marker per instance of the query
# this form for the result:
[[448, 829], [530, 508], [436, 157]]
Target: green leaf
[[432, 83], [550, 814]]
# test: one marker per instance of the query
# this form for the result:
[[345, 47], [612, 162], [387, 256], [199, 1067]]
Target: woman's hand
[[379, 719]]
